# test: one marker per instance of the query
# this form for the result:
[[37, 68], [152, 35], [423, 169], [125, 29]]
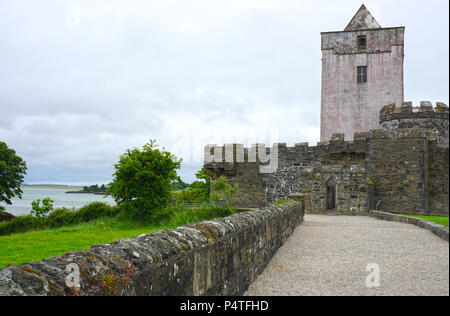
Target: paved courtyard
[[328, 255]]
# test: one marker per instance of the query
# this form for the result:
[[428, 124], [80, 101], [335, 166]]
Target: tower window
[[361, 74], [362, 43]]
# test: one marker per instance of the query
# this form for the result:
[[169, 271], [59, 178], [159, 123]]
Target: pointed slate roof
[[362, 20]]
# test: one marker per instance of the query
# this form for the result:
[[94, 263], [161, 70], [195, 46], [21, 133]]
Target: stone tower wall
[[425, 117], [347, 106]]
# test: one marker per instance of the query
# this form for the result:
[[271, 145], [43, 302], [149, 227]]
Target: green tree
[[143, 180], [223, 191], [179, 184], [12, 172], [201, 188], [42, 211]]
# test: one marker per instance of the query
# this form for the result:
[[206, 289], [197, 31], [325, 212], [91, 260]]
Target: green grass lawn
[[441, 220], [37, 245]]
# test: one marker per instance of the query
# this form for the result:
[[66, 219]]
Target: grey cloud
[[186, 73]]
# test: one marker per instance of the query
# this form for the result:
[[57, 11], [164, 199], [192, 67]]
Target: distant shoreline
[[71, 189], [85, 192], [51, 187]]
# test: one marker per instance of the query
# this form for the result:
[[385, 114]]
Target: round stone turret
[[425, 117]]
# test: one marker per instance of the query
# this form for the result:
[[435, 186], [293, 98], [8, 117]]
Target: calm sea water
[[60, 198]]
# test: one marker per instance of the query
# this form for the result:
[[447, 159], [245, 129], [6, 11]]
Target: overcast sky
[[82, 81]]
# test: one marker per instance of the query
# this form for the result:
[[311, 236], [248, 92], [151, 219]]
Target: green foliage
[[36, 245], [96, 210], [19, 224], [223, 191], [94, 188], [202, 187], [12, 171], [58, 218], [441, 220], [143, 180], [284, 201], [182, 216], [173, 216], [178, 184], [197, 192], [42, 211]]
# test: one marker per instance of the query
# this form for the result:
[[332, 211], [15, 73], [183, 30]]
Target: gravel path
[[327, 255]]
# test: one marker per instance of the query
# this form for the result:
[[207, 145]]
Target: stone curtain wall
[[398, 168], [340, 162], [301, 169], [217, 257]]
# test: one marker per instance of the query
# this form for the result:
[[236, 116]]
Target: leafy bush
[[202, 187], [143, 180], [95, 210], [199, 214], [42, 211], [196, 192], [58, 218], [173, 216], [19, 224], [223, 191]]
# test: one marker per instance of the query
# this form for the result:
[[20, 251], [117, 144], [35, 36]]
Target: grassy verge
[[37, 245], [441, 220]]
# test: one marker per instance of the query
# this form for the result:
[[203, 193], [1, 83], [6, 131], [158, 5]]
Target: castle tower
[[362, 70]]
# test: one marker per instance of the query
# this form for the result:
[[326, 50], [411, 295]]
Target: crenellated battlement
[[237, 153], [425, 117], [407, 111], [413, 151], [229, 154]]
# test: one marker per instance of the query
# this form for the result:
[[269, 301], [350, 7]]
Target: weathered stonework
[[301, 169], [349, 106], [424, 117], [395, 169], [217, 257]]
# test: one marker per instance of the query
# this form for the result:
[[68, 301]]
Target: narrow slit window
[[362, 42], [361, 74]]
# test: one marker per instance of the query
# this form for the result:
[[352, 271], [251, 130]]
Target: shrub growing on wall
[[223, 191], [197, 191], [143, 180]]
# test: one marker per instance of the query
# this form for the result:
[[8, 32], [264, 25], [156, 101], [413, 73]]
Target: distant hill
[[50, 186]]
